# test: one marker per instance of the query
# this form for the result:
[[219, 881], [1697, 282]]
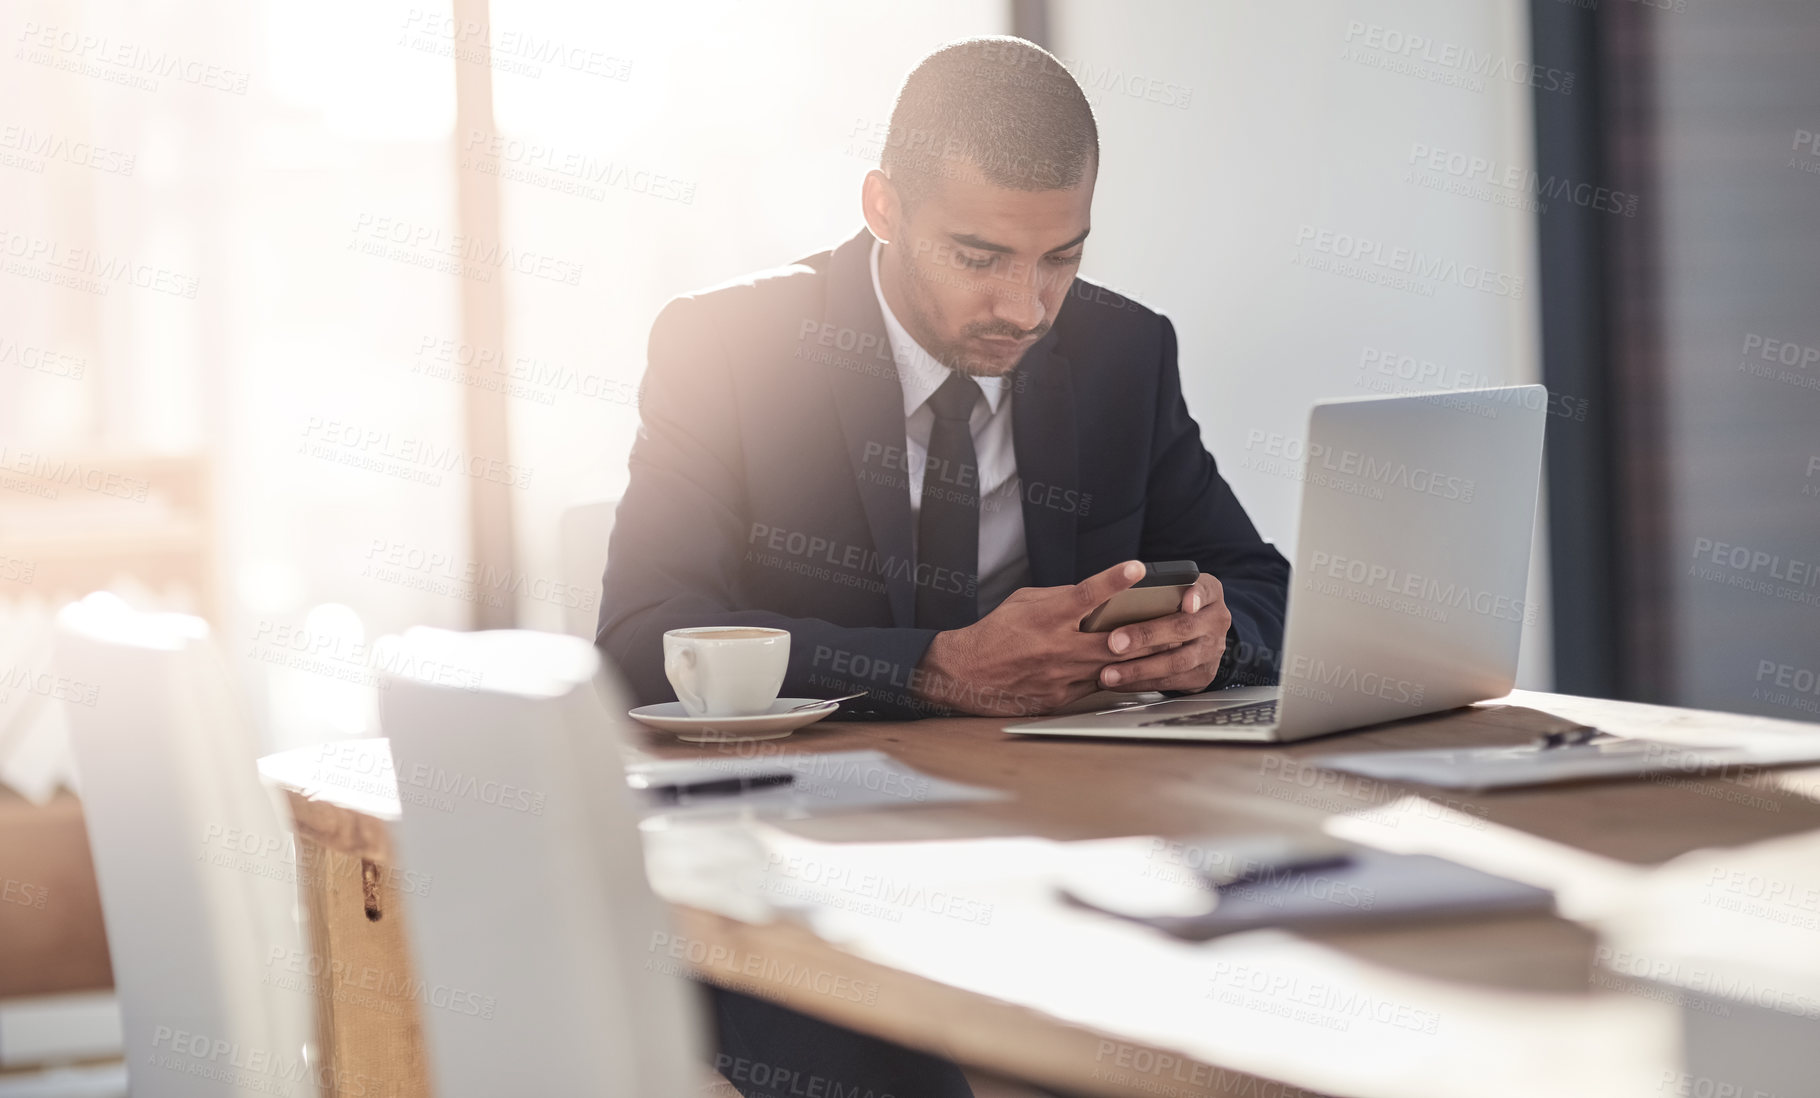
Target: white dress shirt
[[1003, 565]]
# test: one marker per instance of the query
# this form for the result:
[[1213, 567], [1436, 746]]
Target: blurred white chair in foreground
[[540, 929], [171, 794], [585, 530]]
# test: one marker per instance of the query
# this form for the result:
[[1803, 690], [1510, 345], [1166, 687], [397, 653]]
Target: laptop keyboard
[[1264, 712]]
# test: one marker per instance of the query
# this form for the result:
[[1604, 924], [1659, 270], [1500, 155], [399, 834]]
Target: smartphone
[[1158, 593]]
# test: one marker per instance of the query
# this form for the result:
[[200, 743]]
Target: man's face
[[977, 272]]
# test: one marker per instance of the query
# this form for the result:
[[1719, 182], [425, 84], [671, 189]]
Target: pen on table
[[1253, 870], [719, 787], [1571, 737]]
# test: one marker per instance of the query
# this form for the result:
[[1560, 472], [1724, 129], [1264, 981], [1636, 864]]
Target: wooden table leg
[[369, 1026]]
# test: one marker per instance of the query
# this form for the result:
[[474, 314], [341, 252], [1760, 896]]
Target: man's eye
[[1065, 260], [976, 261]]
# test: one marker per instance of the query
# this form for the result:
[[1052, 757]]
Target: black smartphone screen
[[1169, 573]]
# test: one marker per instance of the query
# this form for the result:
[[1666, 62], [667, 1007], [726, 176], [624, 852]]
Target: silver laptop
[[1411, 573]]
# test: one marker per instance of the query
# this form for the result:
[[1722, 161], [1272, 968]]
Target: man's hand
[[1029, 655], [1180, 651]]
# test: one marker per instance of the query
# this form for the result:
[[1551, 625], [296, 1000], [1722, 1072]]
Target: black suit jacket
[[768, 484]]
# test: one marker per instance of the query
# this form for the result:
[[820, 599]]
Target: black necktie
[[948, 524]]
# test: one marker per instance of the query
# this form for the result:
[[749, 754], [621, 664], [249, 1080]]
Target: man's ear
[[881, 205]]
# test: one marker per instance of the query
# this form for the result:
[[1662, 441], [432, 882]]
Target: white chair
[[541, 925], [175, 808], [585, 530]]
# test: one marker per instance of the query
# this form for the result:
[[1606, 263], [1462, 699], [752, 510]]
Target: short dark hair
[[1003, 105]]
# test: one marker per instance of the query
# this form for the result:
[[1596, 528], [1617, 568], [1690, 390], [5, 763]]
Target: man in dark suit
[[930, 452]]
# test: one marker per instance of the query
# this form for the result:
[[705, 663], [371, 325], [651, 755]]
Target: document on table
[[1144, 879], [1369, 887], [836, 781], [1476, 768]]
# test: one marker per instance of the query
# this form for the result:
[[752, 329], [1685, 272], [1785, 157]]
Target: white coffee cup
[[726, 670]]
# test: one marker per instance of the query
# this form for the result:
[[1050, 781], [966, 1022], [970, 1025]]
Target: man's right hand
[[1029, 655]]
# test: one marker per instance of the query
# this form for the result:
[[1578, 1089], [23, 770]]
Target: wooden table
[[1509, 1005]]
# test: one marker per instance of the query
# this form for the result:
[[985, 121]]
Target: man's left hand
[[1179, 651]]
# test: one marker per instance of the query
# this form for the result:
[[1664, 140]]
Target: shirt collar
[[917, 370]]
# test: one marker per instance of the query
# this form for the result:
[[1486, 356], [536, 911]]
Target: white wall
[[771, 114], [1231, 130]]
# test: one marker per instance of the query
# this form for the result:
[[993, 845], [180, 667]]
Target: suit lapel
[[870, 403], [1043, 433]]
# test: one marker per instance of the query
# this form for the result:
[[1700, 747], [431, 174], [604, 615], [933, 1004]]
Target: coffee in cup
[[726, 671]]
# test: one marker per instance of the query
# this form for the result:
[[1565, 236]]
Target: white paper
[[836, 781], [1474, 768]]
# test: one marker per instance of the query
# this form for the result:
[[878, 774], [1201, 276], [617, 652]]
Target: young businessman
[[928, 454]]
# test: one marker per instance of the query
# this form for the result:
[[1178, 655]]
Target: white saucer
[[775, 725]]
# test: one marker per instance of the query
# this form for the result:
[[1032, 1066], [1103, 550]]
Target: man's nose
[[1019, 305]]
